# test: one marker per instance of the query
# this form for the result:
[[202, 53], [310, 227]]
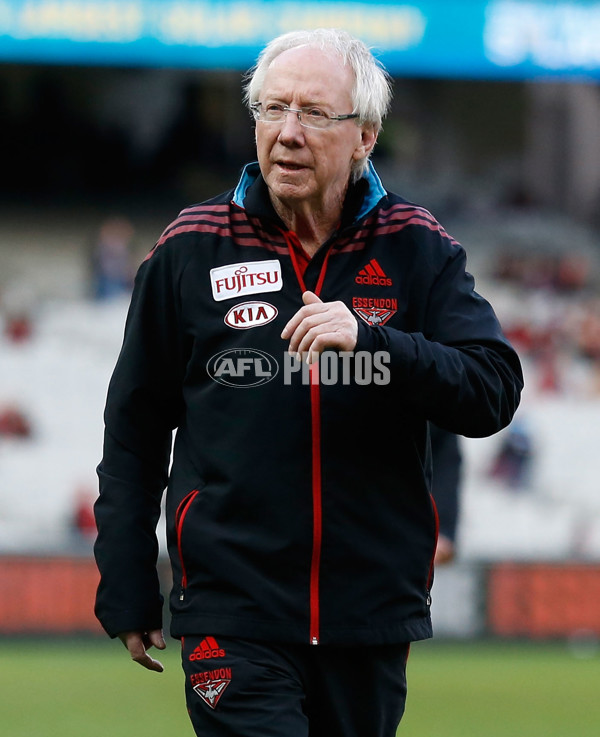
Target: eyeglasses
[[309, 117]]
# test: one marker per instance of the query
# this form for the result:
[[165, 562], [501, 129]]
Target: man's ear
[[368, 139]]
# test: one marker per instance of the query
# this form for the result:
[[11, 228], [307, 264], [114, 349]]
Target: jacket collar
[[252, 195]]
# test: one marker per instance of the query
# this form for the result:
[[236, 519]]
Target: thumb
[[156, 638], [310, 298]]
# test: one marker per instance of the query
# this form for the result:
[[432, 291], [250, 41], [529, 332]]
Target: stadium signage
[[465, 38]]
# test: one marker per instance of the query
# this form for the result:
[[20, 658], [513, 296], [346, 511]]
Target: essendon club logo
[[211, 685], [207, 649], [251, 277], [375, 311], [374, 316], [373, 275]]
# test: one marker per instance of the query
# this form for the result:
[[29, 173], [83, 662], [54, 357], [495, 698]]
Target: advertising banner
[[465, 38]]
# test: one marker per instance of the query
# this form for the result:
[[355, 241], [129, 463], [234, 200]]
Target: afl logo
[[242, 367], [250, 314]]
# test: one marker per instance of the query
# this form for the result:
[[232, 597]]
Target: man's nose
[[290, 127]]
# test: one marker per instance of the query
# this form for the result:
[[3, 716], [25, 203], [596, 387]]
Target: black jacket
[[297, 510], [446, 456]]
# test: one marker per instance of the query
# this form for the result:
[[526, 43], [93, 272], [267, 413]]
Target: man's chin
[[286, 190]]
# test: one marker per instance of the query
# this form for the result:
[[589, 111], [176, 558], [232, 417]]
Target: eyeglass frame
[[331, 118]]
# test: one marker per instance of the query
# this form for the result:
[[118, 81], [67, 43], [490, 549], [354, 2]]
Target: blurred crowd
[[549, 304], [553, 318], [110, 268]]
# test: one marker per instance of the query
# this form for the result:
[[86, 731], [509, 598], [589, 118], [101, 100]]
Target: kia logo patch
[[250, 314], [242, 367]]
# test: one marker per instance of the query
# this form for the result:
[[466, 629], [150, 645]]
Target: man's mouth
[[290, 166]]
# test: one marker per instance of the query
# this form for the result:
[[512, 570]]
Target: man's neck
[[313, 227]]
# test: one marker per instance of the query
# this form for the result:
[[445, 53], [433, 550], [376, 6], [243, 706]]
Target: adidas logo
[[207, 649], [373, 275]]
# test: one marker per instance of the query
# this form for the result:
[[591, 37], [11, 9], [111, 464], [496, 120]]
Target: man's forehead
[[315, 72], [311, 55]]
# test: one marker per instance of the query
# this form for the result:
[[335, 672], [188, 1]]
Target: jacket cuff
[[132, 620]]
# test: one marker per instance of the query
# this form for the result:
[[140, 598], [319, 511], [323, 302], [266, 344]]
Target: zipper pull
[[181, 594], [314, 641]]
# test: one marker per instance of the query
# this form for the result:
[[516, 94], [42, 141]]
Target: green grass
[[501, 690], [66, 688], [62, 688]]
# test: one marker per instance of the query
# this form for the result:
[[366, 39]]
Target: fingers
[[139, 643], [445, 551], [310, 298], [320, 325], [157, 640]]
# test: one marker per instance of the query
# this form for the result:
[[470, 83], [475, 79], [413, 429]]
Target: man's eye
[[315, 112], [274, 107]]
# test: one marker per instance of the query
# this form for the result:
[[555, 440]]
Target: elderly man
[[299, 333]]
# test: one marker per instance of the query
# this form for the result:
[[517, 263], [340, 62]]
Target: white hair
[[372, 90]]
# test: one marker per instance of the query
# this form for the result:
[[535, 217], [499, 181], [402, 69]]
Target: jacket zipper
[[180, 515], [315, 404]]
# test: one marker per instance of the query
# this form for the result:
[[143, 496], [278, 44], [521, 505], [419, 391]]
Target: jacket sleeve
[[446, 459], [142, 409], [459, 370]]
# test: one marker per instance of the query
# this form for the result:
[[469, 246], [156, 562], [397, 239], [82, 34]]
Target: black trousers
[[243, 688]]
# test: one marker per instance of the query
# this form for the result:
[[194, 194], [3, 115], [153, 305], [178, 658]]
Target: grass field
[[65, 688]]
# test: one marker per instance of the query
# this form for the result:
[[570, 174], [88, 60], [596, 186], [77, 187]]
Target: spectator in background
[[83, 522], [17, 305], [513, 462], [446, 485], [112, 264], [14, 423]]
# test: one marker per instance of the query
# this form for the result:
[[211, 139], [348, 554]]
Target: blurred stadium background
[[114, 116]]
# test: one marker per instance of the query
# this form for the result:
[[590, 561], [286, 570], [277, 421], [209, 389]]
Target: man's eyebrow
[[307, 102]]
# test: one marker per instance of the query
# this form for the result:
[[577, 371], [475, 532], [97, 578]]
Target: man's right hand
[[138, 643]]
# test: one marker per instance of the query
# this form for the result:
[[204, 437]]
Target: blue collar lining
[[374, 194]]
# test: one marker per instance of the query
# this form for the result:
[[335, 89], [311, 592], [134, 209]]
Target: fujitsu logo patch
[[373, 275], [252, 277], [250, 314], [211, 685], [207, 649]]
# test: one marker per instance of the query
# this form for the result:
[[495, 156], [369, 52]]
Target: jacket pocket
[[180, 516]]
